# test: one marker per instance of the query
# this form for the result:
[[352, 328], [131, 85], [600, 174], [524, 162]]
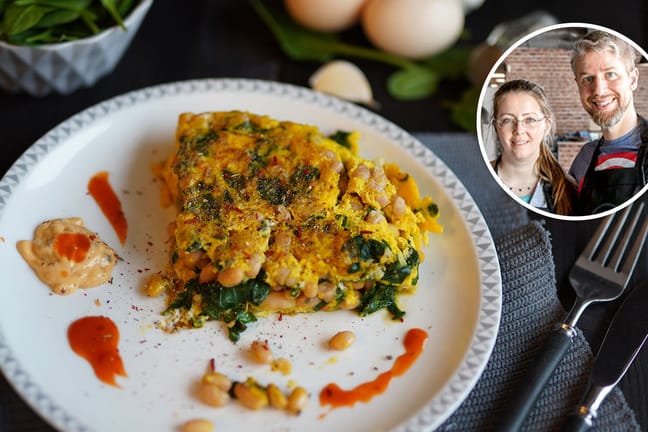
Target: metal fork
[[601, 273]]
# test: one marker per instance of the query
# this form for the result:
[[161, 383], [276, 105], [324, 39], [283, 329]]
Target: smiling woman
[[524, 125]]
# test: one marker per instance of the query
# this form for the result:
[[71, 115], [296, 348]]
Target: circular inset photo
[[563, 121]]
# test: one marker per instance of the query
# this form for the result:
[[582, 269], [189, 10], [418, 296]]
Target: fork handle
[[576, 423], [539, 372]]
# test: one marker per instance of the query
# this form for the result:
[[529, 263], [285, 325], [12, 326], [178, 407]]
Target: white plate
[[457, 302]]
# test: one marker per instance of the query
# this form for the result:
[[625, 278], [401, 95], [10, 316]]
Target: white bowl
[[68, 66]]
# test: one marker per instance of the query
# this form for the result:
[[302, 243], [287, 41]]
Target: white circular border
[[483, 340], [479, 119]]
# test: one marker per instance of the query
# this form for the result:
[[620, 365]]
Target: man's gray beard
[[609, 122]]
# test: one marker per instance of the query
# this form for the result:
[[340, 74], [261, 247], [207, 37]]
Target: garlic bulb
[[343, 79]]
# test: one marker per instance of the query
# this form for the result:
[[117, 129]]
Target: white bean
[[342, 340], [230, 277], [310, 289], [362, 172], [277, 301], [375, 217], [276, 397], [251, 396], [398, 206], [212, 395], [255, 262], [297, 400], [218, 379], [326, 291], [197, 425], [261, 352]]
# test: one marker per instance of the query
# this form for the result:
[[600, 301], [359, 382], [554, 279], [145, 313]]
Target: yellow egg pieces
[[274, 216]]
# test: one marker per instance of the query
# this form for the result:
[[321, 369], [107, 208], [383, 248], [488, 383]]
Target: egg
[[413, 28], [325, 15]]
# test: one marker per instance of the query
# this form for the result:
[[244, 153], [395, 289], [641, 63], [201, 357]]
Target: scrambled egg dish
[[274, 216]]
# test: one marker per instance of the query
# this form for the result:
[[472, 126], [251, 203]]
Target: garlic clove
[[343, 79], [471, 5]]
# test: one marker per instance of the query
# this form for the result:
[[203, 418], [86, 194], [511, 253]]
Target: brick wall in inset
[[567, 151]]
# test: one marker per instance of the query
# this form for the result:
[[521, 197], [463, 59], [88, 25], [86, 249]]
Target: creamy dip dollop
[[66, 256]]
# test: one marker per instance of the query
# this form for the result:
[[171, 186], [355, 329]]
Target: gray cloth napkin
[[530, 309]]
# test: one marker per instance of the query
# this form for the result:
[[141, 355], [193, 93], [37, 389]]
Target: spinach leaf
[[342, 138], [380, 296], [111, 7], [464, 111], [413, 83], [75, 5], [227, 304], [124, 6], [57, 17], [3, 5], [20, 18], [396, 272], [87, 18], [36, 22], [364, 249]]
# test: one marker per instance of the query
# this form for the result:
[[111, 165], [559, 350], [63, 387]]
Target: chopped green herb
[[354, 268], [342, 220], [274, 191], [234, 180], [247, 127], [433, 210], [303, 175]]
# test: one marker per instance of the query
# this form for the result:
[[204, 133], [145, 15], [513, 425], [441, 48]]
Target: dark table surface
[[182, 40]]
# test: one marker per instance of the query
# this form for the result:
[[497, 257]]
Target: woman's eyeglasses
[[511, 123]]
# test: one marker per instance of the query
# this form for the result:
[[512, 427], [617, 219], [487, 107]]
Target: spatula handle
[[539, 372]]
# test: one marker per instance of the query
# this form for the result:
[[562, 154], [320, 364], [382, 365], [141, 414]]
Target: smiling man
[[612, 169]]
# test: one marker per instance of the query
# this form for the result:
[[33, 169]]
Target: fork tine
[[639, 240], [599, 242], [619, 253]]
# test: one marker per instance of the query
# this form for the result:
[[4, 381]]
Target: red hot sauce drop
[[73, 246], [108, 201], [336, 397], [95, 338]]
